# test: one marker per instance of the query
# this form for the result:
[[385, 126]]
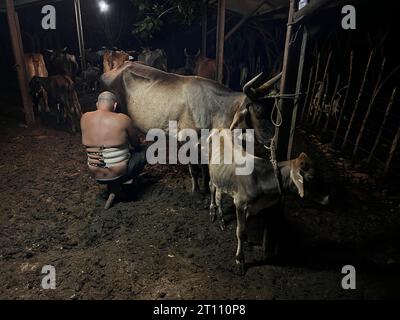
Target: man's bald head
[[107, 101]]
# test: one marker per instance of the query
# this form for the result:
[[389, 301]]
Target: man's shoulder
[[88, 114], [123, 116]]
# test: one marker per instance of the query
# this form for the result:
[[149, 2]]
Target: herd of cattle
[[153, 97], [55, 76]]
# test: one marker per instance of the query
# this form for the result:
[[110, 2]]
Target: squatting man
[[115, 155]]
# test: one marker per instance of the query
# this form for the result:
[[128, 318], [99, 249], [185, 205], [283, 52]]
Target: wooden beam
[[204, 30], [79, 29], [243, 20], [220, 40], [298, 90], [287, 87], [18, 51]]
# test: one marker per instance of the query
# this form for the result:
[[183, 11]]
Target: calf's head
[[307, 180]]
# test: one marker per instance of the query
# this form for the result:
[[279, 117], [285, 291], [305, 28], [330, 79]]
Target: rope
[[276, 123]]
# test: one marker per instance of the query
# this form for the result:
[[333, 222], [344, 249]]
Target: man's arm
[[132, 133], [83, 125]]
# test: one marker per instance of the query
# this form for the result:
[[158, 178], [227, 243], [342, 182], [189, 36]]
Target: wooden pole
[[287, 87], [323, 103], [298, 90], [331, 105], [79, 28], [220, 40], [18, 51], [309, 111], [204, 30], [370, 105], [345, 98], [243, 20], [317, 116], [305, 105], [358, 100], [378, 137], [391, 153]]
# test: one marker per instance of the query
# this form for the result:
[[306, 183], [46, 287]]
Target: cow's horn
[[248, 87], [263, 89]]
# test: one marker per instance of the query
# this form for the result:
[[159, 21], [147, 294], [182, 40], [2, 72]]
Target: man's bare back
[[104, 131]]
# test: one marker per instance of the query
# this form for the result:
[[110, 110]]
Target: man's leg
[[136, 163]]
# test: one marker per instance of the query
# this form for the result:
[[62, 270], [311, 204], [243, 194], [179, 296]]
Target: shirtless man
[[112, 145]]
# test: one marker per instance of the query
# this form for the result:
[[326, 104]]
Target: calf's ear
[[302, 161], [296, 177]]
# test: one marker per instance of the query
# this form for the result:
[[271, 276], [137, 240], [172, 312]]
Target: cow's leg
[[218, 199], [195, 173], [206, 177], [213, 206], [240, 233]]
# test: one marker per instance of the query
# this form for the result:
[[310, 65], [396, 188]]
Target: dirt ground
[[160, 244]]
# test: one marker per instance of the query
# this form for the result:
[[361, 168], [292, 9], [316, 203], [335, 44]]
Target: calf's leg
[[240, 233], [195, 173], [218, 199], [206, 177], [213, 206]]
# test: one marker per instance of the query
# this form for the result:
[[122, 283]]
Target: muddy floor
[[160, 244]]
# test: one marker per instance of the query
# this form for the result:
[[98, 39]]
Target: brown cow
[[58, 94], [114, 59], [35, 65], [205, 67], [63, 63]]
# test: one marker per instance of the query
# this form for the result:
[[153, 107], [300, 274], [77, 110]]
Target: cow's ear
[[49, 51], [186, 53], [64, 50], [239, 117], [198, 53], [296, 177]]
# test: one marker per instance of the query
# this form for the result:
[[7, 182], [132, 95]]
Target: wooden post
[[298, 89], [370, 105], [378, 137], [331, 105], [358, 100], [320, 98], [391, 153], [345, 99], [310, 110], [220, 40], [18, 50], [79, 28], [305, 104], [204, 30], [287, 87], [323, 103]]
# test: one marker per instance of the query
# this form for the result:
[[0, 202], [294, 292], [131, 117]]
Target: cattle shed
[[317, 83], [247, 9]]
